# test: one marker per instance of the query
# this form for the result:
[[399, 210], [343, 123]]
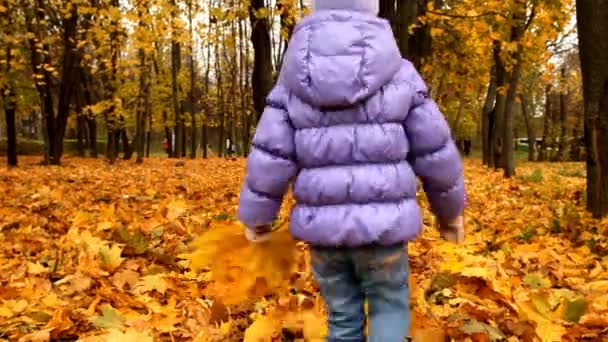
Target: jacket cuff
[[256, 210], [449, 204]]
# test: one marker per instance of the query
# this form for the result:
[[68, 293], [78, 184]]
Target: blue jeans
[[350, 276]]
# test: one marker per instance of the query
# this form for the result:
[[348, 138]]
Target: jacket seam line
[[399, 123], [271, 152], [361, 164], [395, 202], [263, 194]]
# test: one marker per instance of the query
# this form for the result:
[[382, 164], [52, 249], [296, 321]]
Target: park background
[[96, 217]]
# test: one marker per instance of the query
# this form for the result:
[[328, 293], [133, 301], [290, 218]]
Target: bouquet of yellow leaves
[[245, 269]]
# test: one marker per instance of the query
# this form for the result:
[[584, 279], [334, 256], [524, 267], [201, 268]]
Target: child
[[351, 123]]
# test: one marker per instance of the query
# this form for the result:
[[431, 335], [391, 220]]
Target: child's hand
[[258, 234], [453, 230]]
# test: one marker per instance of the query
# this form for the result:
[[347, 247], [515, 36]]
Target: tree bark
[[406, 14], [69, 82], [508, 162], [458, 119], [127, 148], [499, 109], [10, 107], [547, 126], [563, 117], [262, 78], [206, 107], [592, 18], [43, 84], [140, 120], [193, 141], [92, 127], [175, 70], [144, 90], [388, 11], [7, 93], [80, 134], [525, 111], [505, 103], [487, 119], [220, 95]]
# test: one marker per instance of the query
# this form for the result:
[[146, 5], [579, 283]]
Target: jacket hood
[[338, 58], [369, 6]]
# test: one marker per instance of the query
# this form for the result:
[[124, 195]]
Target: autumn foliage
[[94, 252]]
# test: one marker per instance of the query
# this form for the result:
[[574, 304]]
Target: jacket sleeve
[[435, 158], [271, 164]]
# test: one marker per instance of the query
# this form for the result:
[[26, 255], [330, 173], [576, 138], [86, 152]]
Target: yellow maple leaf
[[155, 282], [110, 256], [129, 335], [261, 330]]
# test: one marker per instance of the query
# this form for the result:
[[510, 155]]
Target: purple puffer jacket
[[351, 122]]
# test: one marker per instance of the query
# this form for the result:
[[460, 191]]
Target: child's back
[[350, 120]]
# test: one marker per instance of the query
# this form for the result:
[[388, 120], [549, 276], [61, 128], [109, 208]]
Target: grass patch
[[571, 173], [527, 234], [535, 177]]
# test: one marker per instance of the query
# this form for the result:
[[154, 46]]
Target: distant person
[[352, 124]]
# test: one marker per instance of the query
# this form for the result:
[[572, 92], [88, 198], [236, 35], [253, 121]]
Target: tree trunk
[[505, 103], [140, 120], [388, 12], [287, 27], [175, 70], [592, 18], [221, 102], [192, 83], [244, 89], [563, 117], [508, 162], [8, 99], [69, 82], [456, 123], [90, 124], [262, 78], [499, 109], [577, 144], [419, 44], [525, 111], [487, 120], [38, 58], [406, 14], [92, 127], [233, 90], [127, 149], [80, 134], [547, 126], [10, 106], [205, 105], [140, 115]]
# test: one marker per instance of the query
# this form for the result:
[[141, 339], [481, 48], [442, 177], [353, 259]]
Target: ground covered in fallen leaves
[[95, 252]]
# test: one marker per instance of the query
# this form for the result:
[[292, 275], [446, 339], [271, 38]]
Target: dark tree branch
[[530, 18], [462, 16]]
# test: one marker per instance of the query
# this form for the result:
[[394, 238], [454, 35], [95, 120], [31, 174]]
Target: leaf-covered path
[[95, 252]]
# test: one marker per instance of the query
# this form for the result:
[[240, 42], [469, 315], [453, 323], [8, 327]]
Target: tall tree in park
[[402, 14], [262, 78], [7, 88], [144, 97], [176, 65], [592, 18], [192, 8]]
